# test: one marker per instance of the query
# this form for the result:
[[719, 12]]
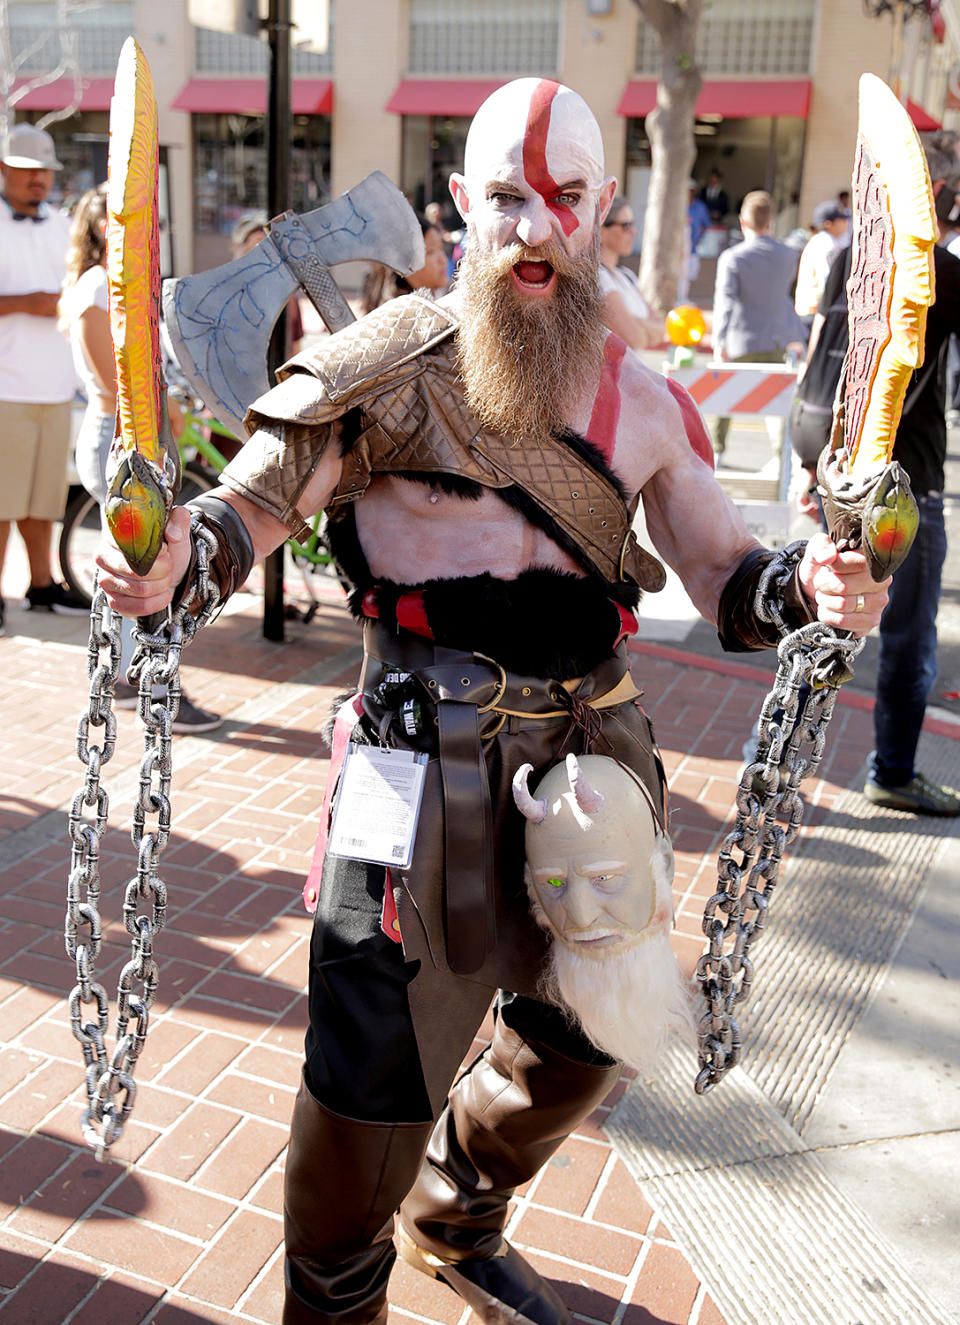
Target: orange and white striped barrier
[[762, 389]]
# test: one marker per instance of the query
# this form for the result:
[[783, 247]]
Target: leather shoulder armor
[[350, 366]]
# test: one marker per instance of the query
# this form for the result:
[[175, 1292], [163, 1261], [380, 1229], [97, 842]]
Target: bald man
[[480, 459]]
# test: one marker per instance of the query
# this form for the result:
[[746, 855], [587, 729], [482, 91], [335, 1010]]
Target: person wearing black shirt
[[907, 659]]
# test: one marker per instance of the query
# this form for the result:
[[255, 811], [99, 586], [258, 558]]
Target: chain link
[[111, 1088], [769, 813]]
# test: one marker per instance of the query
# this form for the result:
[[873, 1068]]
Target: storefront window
[[432, 149], [230, 174], [82, 141], [755, 153]]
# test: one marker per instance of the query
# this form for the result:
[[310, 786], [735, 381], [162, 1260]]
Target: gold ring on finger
[[860, 603]]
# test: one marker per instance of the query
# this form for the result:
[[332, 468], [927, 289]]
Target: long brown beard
[[526, 363]]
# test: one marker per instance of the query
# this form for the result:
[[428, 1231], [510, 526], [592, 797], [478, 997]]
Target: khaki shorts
[[34, 449]]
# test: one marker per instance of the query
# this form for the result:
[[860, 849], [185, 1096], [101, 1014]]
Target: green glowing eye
[[555, 883]]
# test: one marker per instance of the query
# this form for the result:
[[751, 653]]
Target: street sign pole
[[279, 129]]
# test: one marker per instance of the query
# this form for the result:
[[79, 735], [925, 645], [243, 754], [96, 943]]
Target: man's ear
[[608, 191], [460, 194]]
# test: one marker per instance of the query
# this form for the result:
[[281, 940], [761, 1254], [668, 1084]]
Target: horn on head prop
[[529, 807], [588, 799]]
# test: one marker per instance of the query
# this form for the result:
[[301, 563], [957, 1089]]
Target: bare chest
[[411, 532]]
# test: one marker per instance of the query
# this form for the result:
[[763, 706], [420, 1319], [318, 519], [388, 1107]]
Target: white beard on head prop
[[599, 874]]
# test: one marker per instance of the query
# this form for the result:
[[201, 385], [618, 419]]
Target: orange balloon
[[685, 325]]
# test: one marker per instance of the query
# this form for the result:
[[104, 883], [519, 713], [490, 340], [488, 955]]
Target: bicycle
[[201, 462]]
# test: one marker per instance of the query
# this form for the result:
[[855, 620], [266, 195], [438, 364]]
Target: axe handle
[[322, 290]]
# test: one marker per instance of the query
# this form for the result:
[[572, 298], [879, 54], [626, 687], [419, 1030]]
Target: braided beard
[[527, 362]]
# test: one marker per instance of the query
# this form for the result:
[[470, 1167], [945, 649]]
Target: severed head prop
[[599, 874]]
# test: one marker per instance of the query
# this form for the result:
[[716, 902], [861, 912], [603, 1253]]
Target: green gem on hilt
[[555, 883]]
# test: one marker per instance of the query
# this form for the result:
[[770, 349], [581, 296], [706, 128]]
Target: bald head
[[539, 126], [533, 169]]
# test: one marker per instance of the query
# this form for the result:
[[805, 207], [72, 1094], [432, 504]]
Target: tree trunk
[[673, 149]]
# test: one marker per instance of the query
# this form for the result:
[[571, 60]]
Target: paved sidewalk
[[182, 1223]]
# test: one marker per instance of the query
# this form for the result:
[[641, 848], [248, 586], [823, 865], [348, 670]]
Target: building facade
[[400, 79]]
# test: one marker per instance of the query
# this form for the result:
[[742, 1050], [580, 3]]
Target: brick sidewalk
[[183, 1222]]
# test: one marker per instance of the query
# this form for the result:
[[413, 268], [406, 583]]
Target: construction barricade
[[760, 391]]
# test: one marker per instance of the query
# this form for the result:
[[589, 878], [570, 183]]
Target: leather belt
[[464, 687]]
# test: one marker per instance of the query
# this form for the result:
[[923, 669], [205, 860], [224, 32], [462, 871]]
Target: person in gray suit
[[754, 319]]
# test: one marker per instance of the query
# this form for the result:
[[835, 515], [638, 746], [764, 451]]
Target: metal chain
[[111, 1089], [769, 813]]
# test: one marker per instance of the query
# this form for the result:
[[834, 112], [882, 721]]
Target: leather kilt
[[462, 905]]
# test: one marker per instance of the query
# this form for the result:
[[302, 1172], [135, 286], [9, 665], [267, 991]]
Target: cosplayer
[[481, 460]]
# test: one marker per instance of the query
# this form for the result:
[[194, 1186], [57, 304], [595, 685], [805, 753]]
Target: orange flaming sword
[[144, 470], [867, 498]]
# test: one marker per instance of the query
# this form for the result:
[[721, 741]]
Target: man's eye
[[506, 199], [567, 199], [555, 883]]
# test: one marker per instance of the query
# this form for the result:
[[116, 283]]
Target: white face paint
[[533, 173], [601, 878]]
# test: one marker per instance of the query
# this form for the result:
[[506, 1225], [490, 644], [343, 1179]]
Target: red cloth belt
[[412, 615]]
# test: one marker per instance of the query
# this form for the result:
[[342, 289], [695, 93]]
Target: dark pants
[[907, 661], [373, 1129]]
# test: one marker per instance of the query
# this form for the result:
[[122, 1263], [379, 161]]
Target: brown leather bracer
[[397, 366]]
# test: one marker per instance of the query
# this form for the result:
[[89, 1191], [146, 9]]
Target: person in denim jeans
[[907, 660]]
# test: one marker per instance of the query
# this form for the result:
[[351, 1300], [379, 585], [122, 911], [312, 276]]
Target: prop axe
[[219, 322]]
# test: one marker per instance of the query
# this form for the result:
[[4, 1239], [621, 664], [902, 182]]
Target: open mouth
[[535, 276]]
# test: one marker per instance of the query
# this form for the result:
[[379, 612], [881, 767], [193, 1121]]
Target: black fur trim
[[351, 427], [545, 623], [329, 722], [590, 455]]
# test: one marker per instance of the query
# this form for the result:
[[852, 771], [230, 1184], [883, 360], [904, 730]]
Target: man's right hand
[[134, 595]]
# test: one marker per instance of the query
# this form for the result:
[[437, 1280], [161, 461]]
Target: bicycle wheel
[[80, 533]]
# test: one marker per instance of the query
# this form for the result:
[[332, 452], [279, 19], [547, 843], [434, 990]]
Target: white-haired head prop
[[599, 875]]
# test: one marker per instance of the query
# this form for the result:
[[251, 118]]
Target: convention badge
[[378, 805]]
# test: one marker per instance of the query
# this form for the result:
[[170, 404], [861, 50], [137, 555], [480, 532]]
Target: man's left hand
[[840, 587]]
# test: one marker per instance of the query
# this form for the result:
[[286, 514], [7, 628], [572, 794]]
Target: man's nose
[[535, 225], [581, 904]]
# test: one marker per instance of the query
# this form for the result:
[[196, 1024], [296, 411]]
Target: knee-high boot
[[505, 1118], [343, 1182]]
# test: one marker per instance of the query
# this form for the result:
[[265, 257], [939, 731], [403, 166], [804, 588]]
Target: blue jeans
[[907, 661]]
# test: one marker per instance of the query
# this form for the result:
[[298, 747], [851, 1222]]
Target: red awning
[[442, 96], [95, 95], [734, 99], [922, 121], [248, 96]]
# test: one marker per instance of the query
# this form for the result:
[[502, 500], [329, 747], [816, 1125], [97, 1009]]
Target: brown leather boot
[[505, 1118], [343, 1182]]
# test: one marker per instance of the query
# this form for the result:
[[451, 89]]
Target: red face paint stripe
[[535, 153], [700, 443], [602, 430]]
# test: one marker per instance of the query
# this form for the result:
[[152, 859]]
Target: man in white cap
[[36, 369], [481, 459]]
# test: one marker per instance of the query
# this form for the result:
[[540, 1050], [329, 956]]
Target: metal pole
[[279, 129]]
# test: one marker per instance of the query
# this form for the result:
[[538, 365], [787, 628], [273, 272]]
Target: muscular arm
[[132, 595], [696, 528]]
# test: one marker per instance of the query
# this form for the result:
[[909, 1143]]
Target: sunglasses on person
[[624, 225]]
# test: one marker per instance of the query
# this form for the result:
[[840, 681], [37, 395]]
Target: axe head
[[219, 322]]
